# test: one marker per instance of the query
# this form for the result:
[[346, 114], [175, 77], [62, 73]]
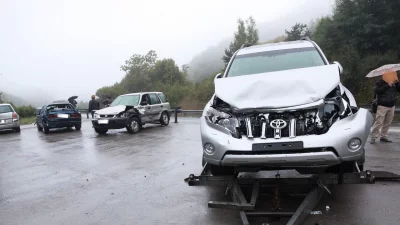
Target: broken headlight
[[224, 120], [96, 116]]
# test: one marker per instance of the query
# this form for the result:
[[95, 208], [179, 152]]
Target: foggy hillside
[[208, 62]]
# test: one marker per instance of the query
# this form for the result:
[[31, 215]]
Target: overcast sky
[[73, 47]]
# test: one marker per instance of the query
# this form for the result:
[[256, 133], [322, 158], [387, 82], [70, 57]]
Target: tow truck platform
[[246, 192]]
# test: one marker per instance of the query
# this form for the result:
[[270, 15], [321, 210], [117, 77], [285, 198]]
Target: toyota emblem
[[278, 124]]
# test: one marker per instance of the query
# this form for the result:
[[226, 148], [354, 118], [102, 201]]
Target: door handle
[[161, 106], [148, 108]]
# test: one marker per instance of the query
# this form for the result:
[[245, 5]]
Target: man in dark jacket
[[387, 96], [93, 105]]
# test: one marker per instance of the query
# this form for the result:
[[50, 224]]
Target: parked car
[[282, 106], [58, 115], [9, 119], [132, 111]]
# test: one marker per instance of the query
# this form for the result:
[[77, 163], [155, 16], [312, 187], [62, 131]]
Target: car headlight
[[224, 120], [96, 116]]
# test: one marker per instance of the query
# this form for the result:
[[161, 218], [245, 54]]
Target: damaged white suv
[[282, 106]]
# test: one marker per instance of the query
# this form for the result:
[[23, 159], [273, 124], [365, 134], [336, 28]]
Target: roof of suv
[[140, 93], [275, 46]]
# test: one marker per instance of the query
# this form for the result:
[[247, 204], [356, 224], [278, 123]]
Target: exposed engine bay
[[266, 123]]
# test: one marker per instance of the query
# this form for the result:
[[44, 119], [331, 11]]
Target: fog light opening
[[354, 144], [209, 148]]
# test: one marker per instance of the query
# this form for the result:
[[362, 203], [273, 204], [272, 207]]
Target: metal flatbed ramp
[[312, 187]]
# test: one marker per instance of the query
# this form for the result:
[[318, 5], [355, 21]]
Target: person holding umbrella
[[386, 95]]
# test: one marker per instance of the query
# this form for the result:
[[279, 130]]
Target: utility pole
[[1, 101]]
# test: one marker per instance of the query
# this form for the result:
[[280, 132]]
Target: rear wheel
[[133, 125], [18, 129], [100, 131], [164, 120], [78, 127], [46, 130], [39, 128]]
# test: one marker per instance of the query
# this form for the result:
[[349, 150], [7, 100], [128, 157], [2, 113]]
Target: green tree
[[297, 32], [246, 33]]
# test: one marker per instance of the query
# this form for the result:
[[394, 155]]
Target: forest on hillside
[[361, 34]]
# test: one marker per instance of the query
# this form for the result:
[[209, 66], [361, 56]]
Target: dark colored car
[[58, 115]]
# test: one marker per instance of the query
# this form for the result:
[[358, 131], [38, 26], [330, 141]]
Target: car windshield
[[270, 61], [131, 100], [5, 109]]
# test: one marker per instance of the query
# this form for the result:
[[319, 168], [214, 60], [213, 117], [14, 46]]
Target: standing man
[[386, 94], [93, 105]]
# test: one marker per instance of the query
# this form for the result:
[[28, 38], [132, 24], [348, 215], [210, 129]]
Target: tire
[[100, 131], [18, 129], [39, 128], [222, 170], [133, 125], [164, 120], [78, 127], [46, 130]]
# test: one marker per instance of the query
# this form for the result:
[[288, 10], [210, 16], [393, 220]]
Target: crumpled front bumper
[[230, 151], [113, 123]]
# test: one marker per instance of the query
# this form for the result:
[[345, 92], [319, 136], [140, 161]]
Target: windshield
[[131, 100], [270, 61], [5, 109]]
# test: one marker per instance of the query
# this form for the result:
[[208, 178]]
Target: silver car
[[9, 119], [132, 111], [282, 106]]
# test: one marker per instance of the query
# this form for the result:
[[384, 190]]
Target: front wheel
[[222, 170], [100, 131], [164, 120], [133, 125]]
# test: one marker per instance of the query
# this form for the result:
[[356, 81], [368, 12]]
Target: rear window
[[5, 109], [162, 97], [154, 99], [59, 107]]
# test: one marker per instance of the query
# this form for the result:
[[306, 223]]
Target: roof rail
[[245, 45]]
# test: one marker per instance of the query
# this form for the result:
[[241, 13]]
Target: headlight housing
[[224, 120], [96, 116]]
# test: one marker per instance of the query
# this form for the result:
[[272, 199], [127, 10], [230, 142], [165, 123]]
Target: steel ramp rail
[[313, 186]]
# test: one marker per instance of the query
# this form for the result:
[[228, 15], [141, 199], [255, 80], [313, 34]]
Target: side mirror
[[144, 103], [339, 66], [218, 76]]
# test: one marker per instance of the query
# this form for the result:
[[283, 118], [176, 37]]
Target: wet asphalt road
[[79, 177]]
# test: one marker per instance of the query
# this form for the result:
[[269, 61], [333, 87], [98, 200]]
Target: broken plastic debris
[[316, 213]]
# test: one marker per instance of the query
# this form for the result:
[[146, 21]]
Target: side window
[[145, 98], [154, 99], [162, 97]]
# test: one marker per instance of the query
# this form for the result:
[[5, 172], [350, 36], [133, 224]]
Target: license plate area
[[63, 116], [103, 121], [278, 146]]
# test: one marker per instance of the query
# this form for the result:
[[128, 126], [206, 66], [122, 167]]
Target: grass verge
[[27, 120]]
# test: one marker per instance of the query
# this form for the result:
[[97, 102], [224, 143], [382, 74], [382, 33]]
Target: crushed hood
[[278, 89], [111, 110]]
